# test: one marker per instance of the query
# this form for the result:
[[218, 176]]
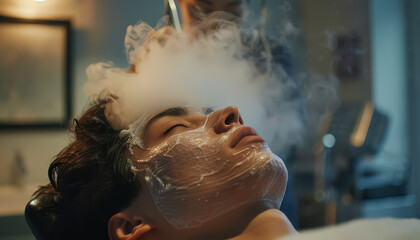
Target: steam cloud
[[211, 67]]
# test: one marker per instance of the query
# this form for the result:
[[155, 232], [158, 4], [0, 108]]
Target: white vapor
[[208, 68]]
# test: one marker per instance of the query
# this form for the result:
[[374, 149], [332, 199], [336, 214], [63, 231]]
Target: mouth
[[244, 136]]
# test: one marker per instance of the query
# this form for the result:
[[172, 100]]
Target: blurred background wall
[[98, 35], [98, 30], [383, 39]]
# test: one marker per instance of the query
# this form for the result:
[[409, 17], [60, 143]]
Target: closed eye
[[173, 127]]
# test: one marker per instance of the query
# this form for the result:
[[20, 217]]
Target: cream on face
[[195, 176]]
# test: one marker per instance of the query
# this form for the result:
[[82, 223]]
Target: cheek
[[195, 178], [188, 159]]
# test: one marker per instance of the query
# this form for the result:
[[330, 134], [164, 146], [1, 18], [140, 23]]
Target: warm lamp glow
[[38, 0], [358, 137]]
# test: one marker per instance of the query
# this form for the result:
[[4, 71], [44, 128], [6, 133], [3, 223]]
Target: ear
[[124, 227]]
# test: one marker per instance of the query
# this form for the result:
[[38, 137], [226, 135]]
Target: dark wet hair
[[90, 180]]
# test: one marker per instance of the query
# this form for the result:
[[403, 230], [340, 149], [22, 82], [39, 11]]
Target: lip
[[245, 135]]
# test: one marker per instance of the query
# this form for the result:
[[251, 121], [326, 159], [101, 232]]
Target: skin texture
[[268, 225], [257, 219], [189, 9]]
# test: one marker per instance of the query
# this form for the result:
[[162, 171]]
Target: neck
[[236, 222], [268, 225]]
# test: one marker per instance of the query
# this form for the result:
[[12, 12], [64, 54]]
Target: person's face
[[191, 10], [199, 167]]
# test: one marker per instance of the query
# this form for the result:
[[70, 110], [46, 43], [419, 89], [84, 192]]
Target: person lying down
[[194, 175], [150, 161]]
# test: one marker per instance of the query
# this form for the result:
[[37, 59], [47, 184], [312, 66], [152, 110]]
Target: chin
[[264, 175]]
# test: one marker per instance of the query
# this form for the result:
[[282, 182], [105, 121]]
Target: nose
[[226, 119]]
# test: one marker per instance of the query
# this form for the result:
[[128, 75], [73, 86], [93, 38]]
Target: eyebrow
[[173, 112]]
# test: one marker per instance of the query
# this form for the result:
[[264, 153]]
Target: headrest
[[41, 217]]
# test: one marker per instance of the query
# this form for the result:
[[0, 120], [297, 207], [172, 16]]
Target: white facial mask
[[194, 177]]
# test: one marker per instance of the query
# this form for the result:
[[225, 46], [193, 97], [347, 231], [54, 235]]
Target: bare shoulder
[[268, 225]]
